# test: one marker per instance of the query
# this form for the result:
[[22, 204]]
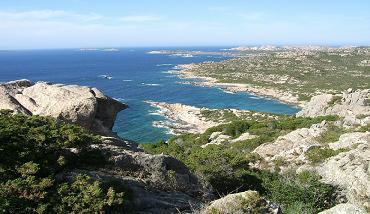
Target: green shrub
[[365, 128], [303, 192], [86, 196], [331, 135], [226, 167], [318, 154], [33, 150], [335, 100]]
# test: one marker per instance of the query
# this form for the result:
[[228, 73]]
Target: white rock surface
[[349, 104], [243, 202], [351, 172], [292, 146], [345, 209], [81, 105]]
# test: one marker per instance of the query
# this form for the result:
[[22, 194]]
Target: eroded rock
[[81, 105], [243, 202]]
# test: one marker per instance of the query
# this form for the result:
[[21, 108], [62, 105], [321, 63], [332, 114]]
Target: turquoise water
[[136, 77]]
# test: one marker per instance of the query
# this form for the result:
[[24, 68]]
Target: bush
[[318, 154], [301, 192], [33, 150], [226, 167]]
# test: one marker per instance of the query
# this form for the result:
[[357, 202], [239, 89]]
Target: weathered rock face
[[81, 105], [160, 183], [351, 105], [350, 170], [290, 148], [243, 202], [345, 209]]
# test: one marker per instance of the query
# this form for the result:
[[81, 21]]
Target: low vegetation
[[331, 134], [318, 155], [35, 155], [301, 72], [226, 167]]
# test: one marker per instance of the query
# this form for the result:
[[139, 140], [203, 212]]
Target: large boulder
[[345, 209], [85, 106], [243, 202]]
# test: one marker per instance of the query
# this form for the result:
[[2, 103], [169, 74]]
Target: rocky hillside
[[316, 161], [339, 152], [152, 183], [328, 139]]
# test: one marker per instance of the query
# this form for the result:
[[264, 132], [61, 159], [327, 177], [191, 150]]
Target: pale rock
[[350, 171], [345, 209], [242, 137], [349, 105], [85, 106], [243, 202], [351, 140], [217, 138], [292, 146]]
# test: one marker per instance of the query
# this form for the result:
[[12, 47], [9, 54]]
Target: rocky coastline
[[186, 72], [157, 183], [162, 184]]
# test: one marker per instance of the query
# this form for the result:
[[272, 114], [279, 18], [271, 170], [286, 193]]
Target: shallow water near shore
[[131, 76]]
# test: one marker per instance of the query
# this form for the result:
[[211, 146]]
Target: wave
[[127, 80], [159, 65], [256, 98], [120, 99], [106, 76], [183, 55], [170, 72], [150, 84]]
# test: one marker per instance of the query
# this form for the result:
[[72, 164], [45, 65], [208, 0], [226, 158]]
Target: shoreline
[[182, 119], [185, 72]]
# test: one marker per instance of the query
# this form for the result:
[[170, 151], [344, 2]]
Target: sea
[[132, 76]]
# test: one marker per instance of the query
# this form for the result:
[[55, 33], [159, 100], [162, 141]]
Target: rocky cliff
[[158, 183], [85, 106]]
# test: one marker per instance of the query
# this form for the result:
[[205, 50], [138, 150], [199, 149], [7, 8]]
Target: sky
[[45, 24]]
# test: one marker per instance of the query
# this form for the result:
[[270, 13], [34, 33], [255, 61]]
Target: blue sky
[[28, 24]]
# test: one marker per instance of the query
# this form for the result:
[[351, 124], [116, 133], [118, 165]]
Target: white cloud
[[47, 15], [143, 18]]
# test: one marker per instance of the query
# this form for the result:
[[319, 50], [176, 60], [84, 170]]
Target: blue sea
[[136, 77]]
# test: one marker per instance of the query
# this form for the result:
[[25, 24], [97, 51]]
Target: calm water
[[136, 76]]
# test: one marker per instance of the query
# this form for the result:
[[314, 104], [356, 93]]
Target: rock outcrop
[[243, 202], [85, 106], [348, 168], [354, 106], [345, 209], [290, 148], [157, 183], [182, 118]]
